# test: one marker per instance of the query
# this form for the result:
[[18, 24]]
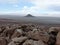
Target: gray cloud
[[54, 8]]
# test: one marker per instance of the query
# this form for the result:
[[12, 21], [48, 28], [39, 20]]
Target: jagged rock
[[28, 42], [8, 40], [58, 39], [19, 40], [26, 28], [33, 35], [29, 35], [32, 42], [23, 27], [7, 27], [18, 27], [39, 43], [3, 41], [57, 29], [35, 29], [17, 33], [52, 39], [11, 43], [8, 32], [44, 37], [1, 30], [37, 35]]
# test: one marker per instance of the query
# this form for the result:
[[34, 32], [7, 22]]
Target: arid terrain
[[26, 32], [29, 22]]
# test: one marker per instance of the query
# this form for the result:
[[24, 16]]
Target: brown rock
[[19, 40], [57, 29], [33, 35], [39, 43], [1, 30], [38, 35], [17, 33], [28, 42], [27, 28], [8, 32], [31, 42], [12, 43], [53, 31], [3, 41], [58, 39]]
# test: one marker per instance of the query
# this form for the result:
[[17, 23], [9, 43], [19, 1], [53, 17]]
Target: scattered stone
[[28, 34], [32, 42], [28, 42], [19, 40], [58, 39], [1, 30], [33, 35], [11, 43], [17, 33], [52, 38], [8, 32], [36, 35], [54, 29], [39, 42], [3, 41]]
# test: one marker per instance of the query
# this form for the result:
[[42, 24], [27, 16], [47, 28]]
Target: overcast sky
[[35, 7]]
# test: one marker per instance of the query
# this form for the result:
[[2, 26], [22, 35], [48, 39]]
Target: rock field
[[29, 34]]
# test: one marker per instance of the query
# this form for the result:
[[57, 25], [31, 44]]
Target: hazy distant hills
[[30, 19]]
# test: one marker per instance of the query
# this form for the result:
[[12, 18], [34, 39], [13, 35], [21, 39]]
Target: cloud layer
[[39, 6]]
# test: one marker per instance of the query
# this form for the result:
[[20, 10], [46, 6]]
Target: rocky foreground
[[29, 34]]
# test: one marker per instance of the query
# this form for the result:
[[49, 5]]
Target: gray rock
[[39, 43], [3, 41], [28, 42], [17, 33], [11, 43], [54, 29], [20, 39], [37, 35], [58, 39], [32, 42]]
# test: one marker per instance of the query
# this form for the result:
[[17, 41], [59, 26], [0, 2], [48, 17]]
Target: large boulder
[[26, 28], [58, 39], [1, 30], [17, 33], [53, 31], [57, 29], [28, 42], [32, 42], [19, 40], [38, 35], [11, 43], [40, 42], [8, 32], [3, 41]]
